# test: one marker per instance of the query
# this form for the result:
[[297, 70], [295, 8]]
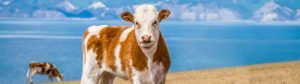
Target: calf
[[43, 69], [138, 53]]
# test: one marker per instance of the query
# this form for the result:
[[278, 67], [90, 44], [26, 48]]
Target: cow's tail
[[28, 73]]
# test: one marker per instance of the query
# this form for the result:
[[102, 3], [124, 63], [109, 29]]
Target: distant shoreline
[[273, 73], [119, 21]]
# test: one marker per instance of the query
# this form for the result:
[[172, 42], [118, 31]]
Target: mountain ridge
[[187, 10]]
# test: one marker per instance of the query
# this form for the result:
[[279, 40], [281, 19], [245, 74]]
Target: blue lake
[[192, 45]]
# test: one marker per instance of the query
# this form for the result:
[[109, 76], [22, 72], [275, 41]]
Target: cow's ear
[[127, 16], [164, 14]]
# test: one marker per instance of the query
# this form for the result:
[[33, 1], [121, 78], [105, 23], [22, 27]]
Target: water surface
[[192, 46]]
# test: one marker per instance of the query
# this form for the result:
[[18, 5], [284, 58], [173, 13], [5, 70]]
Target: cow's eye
[[154, 23], [136, 23]]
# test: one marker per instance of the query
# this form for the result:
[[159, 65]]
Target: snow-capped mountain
[[67, 6], [203, 12], [271, 11], [298, 15], [187, 10], [97, 5]]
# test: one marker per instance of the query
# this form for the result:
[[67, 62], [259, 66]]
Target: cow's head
[[146, 21], [60, 77], [56, 74]]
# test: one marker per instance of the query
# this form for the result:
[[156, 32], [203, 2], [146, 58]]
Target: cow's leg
[[136, 81], [28, 74], [32, 73], [91, 73], [158, 73], [107, 78], [50, 77], [141, 77], [156, 76], [161, 80], [142, 80]]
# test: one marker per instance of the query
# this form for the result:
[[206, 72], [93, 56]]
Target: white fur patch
[[58, 79], [141, 77], [125, 33], [47, 66], [118, 61], [136, 76], [145, 13], [93, 30], [96, 29], [91, 55], [90, 72]]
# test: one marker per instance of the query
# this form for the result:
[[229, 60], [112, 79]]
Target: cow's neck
[[150, 51]]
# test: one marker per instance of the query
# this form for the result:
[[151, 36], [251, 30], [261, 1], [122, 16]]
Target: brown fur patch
[[41, 65], [125, 53], [94, 44], [139, 59], [56, 73], [162, 53], [127, 16], [163, 14], [109, 39]]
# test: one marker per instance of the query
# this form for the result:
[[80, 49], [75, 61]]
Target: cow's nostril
[[146, 38], [143, 37]]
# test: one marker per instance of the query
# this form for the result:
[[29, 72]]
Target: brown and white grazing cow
[[138, 53], [43, 68]]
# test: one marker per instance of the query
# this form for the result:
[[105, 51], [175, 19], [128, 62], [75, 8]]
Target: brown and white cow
[[43, 68], [138, 53]]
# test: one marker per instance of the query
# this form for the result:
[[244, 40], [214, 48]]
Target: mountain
[[271, 11], [186, 10]]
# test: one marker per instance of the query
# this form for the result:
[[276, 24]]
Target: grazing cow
[[43, 68], [138, 53]]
